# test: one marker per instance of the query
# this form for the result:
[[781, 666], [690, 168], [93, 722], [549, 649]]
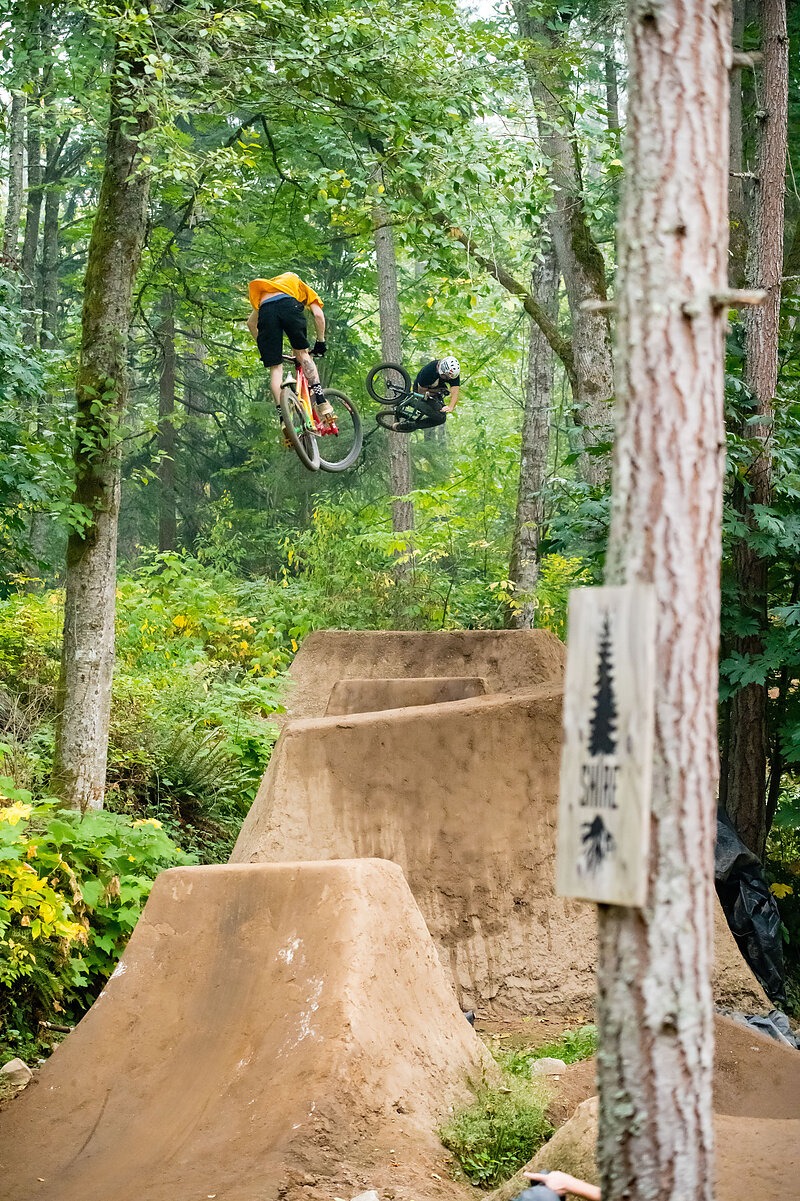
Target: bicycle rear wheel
[[338, 451], [387, 382], [300, 436], [394, 424]]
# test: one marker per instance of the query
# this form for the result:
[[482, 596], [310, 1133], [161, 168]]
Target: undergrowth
[[573, 1046], [496, 1135]]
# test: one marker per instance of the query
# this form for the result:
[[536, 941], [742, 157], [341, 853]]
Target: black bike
[[390, 385]]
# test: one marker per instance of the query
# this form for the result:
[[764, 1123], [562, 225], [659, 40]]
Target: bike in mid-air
[[390, 385], [332, 446]]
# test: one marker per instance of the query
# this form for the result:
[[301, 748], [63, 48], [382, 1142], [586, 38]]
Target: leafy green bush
[[72, 888], [496, 1135]]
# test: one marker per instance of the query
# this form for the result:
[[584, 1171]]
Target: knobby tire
[[303, 441]]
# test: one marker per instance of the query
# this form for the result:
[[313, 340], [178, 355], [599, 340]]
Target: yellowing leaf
[[15, 813], [429, 302], [781, 890], [180, 621]]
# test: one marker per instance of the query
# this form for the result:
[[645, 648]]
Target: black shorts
[[276, 318]]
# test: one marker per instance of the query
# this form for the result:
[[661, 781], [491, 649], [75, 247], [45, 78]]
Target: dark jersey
[[428, 377]]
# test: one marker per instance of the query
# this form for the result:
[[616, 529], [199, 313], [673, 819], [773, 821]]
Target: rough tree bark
[[167, 497], [33, 214], [579, 257], [87, 658], [746, 793], [524, 564], [52, 203], [16, 159], [737, 193], [392, 352], [655, 1010]]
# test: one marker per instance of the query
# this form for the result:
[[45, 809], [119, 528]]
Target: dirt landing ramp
[[756, 1120], [261, 1017], [509, 660], [371, 696], [464, 797]]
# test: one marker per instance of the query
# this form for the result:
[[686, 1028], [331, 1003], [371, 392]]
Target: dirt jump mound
[[462, 793], [272, 1032]]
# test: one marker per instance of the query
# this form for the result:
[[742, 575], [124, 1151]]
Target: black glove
[[319, 349]]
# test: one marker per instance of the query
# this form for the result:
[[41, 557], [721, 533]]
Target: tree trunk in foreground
[[392, 352], [655, 1010], [746, 796], [524, 566], [87, 657]]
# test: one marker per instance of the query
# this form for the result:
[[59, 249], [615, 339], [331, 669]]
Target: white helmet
[[448, 368]]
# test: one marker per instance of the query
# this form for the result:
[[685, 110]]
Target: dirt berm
[[272, 1032], [756, 1120], [463, 795]]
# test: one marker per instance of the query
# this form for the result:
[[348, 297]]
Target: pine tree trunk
[[655, 1010], [392, 352], [746, 798], [16, 159], [33, 214], [167, 514], [737, 192], [87, 659], [580, 260], [52, 202], [524, 564]]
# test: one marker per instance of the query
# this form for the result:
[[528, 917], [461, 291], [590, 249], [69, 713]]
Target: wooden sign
[[607, 755]]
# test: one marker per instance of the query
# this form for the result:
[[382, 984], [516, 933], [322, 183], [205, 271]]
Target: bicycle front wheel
[[339, 450], [300, 436], [387, 382]]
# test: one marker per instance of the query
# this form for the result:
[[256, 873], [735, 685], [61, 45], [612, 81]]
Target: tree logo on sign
[[599, 772]]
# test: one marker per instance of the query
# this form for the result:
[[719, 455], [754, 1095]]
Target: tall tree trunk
[[579, 257], [746, 798], [16, 158], [167, 515], [524, 564], [52, 202], [87, 658], [33, 213], [655, 1010], [392, 352], [737, 193]]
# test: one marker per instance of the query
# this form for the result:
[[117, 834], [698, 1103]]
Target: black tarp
[[750, 908]]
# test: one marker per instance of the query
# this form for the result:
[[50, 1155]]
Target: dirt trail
[[284, 1031], [463, 795], [271, 1033]]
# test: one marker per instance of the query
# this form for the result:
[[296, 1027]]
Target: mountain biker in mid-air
[[434, 383], [279, 307]]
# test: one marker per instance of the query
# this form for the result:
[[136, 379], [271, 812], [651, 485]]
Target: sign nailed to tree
[[606, 761]]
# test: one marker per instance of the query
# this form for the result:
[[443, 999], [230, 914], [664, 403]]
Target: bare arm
[[319, 320], [454, 394], [252, 323], [563, 1183]]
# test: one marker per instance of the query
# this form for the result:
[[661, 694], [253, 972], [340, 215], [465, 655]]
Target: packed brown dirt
[[509, 660], [756, 1120], [369, 696], [273, 1033], [463, 795]]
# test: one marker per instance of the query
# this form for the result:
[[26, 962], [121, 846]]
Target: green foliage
[[71, 891], [496, 1135]]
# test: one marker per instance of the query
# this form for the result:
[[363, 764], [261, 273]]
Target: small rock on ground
[[16, 1072], [548, 1067]]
